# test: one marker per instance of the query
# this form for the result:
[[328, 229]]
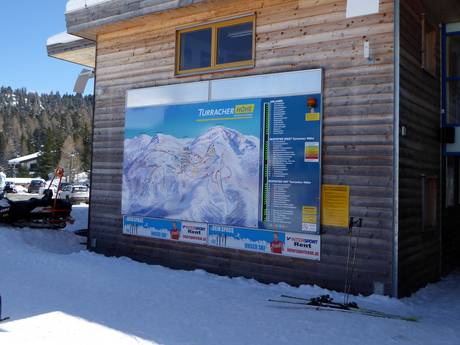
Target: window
[[429, 46], [429, 202], [195, 49], [452, 181], [452, 86], [216, 46]]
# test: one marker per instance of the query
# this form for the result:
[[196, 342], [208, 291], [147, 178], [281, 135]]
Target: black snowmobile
[[46, 212], [36, 213]]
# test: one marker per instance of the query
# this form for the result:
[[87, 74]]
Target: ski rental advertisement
[[239, 173]]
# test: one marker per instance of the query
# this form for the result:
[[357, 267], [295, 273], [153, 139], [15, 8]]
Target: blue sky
[[181, 120], [25, 27]]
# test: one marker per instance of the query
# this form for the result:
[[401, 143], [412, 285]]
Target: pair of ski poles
[[351, 257]]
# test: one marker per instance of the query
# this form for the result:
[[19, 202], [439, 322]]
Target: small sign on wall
[[335, 209], [357, 8]]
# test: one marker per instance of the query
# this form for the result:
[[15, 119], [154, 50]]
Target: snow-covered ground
[[80, 215], [57, 293]]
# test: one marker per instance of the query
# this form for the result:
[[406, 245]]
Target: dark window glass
[[234, 43], [453, 102], [195, 49], [450, 182], [453, 56]]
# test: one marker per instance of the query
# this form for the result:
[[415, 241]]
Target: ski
[[351, 305], [334, 306], [323, 300]]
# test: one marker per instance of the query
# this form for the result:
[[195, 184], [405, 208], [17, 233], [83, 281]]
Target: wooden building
[[389, 90]]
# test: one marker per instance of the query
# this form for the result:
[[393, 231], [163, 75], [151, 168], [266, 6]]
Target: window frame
[[215, 26], [429, 44]]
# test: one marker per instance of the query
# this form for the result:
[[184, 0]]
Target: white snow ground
[[57, 293]]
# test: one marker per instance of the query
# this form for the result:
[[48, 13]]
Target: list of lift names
[[288, 178]]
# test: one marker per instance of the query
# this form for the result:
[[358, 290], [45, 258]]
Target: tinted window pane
[[234, 43], [195, 49], [453, 102], [453, 56]]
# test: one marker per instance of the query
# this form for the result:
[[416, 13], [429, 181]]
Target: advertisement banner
[[194, 232], [303, 246], [166, 229], [153, 228], [262, 241], [297, 245]]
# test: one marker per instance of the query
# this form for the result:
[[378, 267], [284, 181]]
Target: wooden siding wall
[[357, 132], [419, 249]]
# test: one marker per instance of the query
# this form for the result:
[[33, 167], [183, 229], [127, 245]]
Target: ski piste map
[[242, 174]]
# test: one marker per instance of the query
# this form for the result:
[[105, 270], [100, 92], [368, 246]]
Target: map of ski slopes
[[198, 162]]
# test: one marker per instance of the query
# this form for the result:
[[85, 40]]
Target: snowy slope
[[213, 178], [57, 293]]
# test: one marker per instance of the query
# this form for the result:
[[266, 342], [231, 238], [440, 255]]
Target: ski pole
[[349, 277], [350, 233], [355, 249]]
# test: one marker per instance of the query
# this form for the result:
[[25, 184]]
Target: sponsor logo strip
[[297, 245]]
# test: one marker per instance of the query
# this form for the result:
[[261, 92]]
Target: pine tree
[[22, 171], [47, 159], [30, 122], [86, 154]]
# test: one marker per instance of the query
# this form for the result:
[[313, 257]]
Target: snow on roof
[[20, 180], [74, 5], [62, 37], [24, 158]]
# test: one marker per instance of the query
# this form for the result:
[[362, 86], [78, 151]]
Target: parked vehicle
[[36, 213], [20, 189], [64, 184], [10, 187], [35, 185], [53, 187], [74, 193]]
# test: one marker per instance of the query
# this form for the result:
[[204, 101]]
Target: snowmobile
[[46, 212]]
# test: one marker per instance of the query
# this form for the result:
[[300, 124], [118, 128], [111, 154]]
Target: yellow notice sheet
[[335, 205]]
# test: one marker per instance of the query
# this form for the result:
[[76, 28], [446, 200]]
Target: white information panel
[[357, 8], [168, 94], [455, 147], [265, 85]]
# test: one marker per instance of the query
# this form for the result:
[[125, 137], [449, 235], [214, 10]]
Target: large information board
[[240, 173], [292, 163]]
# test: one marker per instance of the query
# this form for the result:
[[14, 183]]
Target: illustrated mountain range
[[213, 178]]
